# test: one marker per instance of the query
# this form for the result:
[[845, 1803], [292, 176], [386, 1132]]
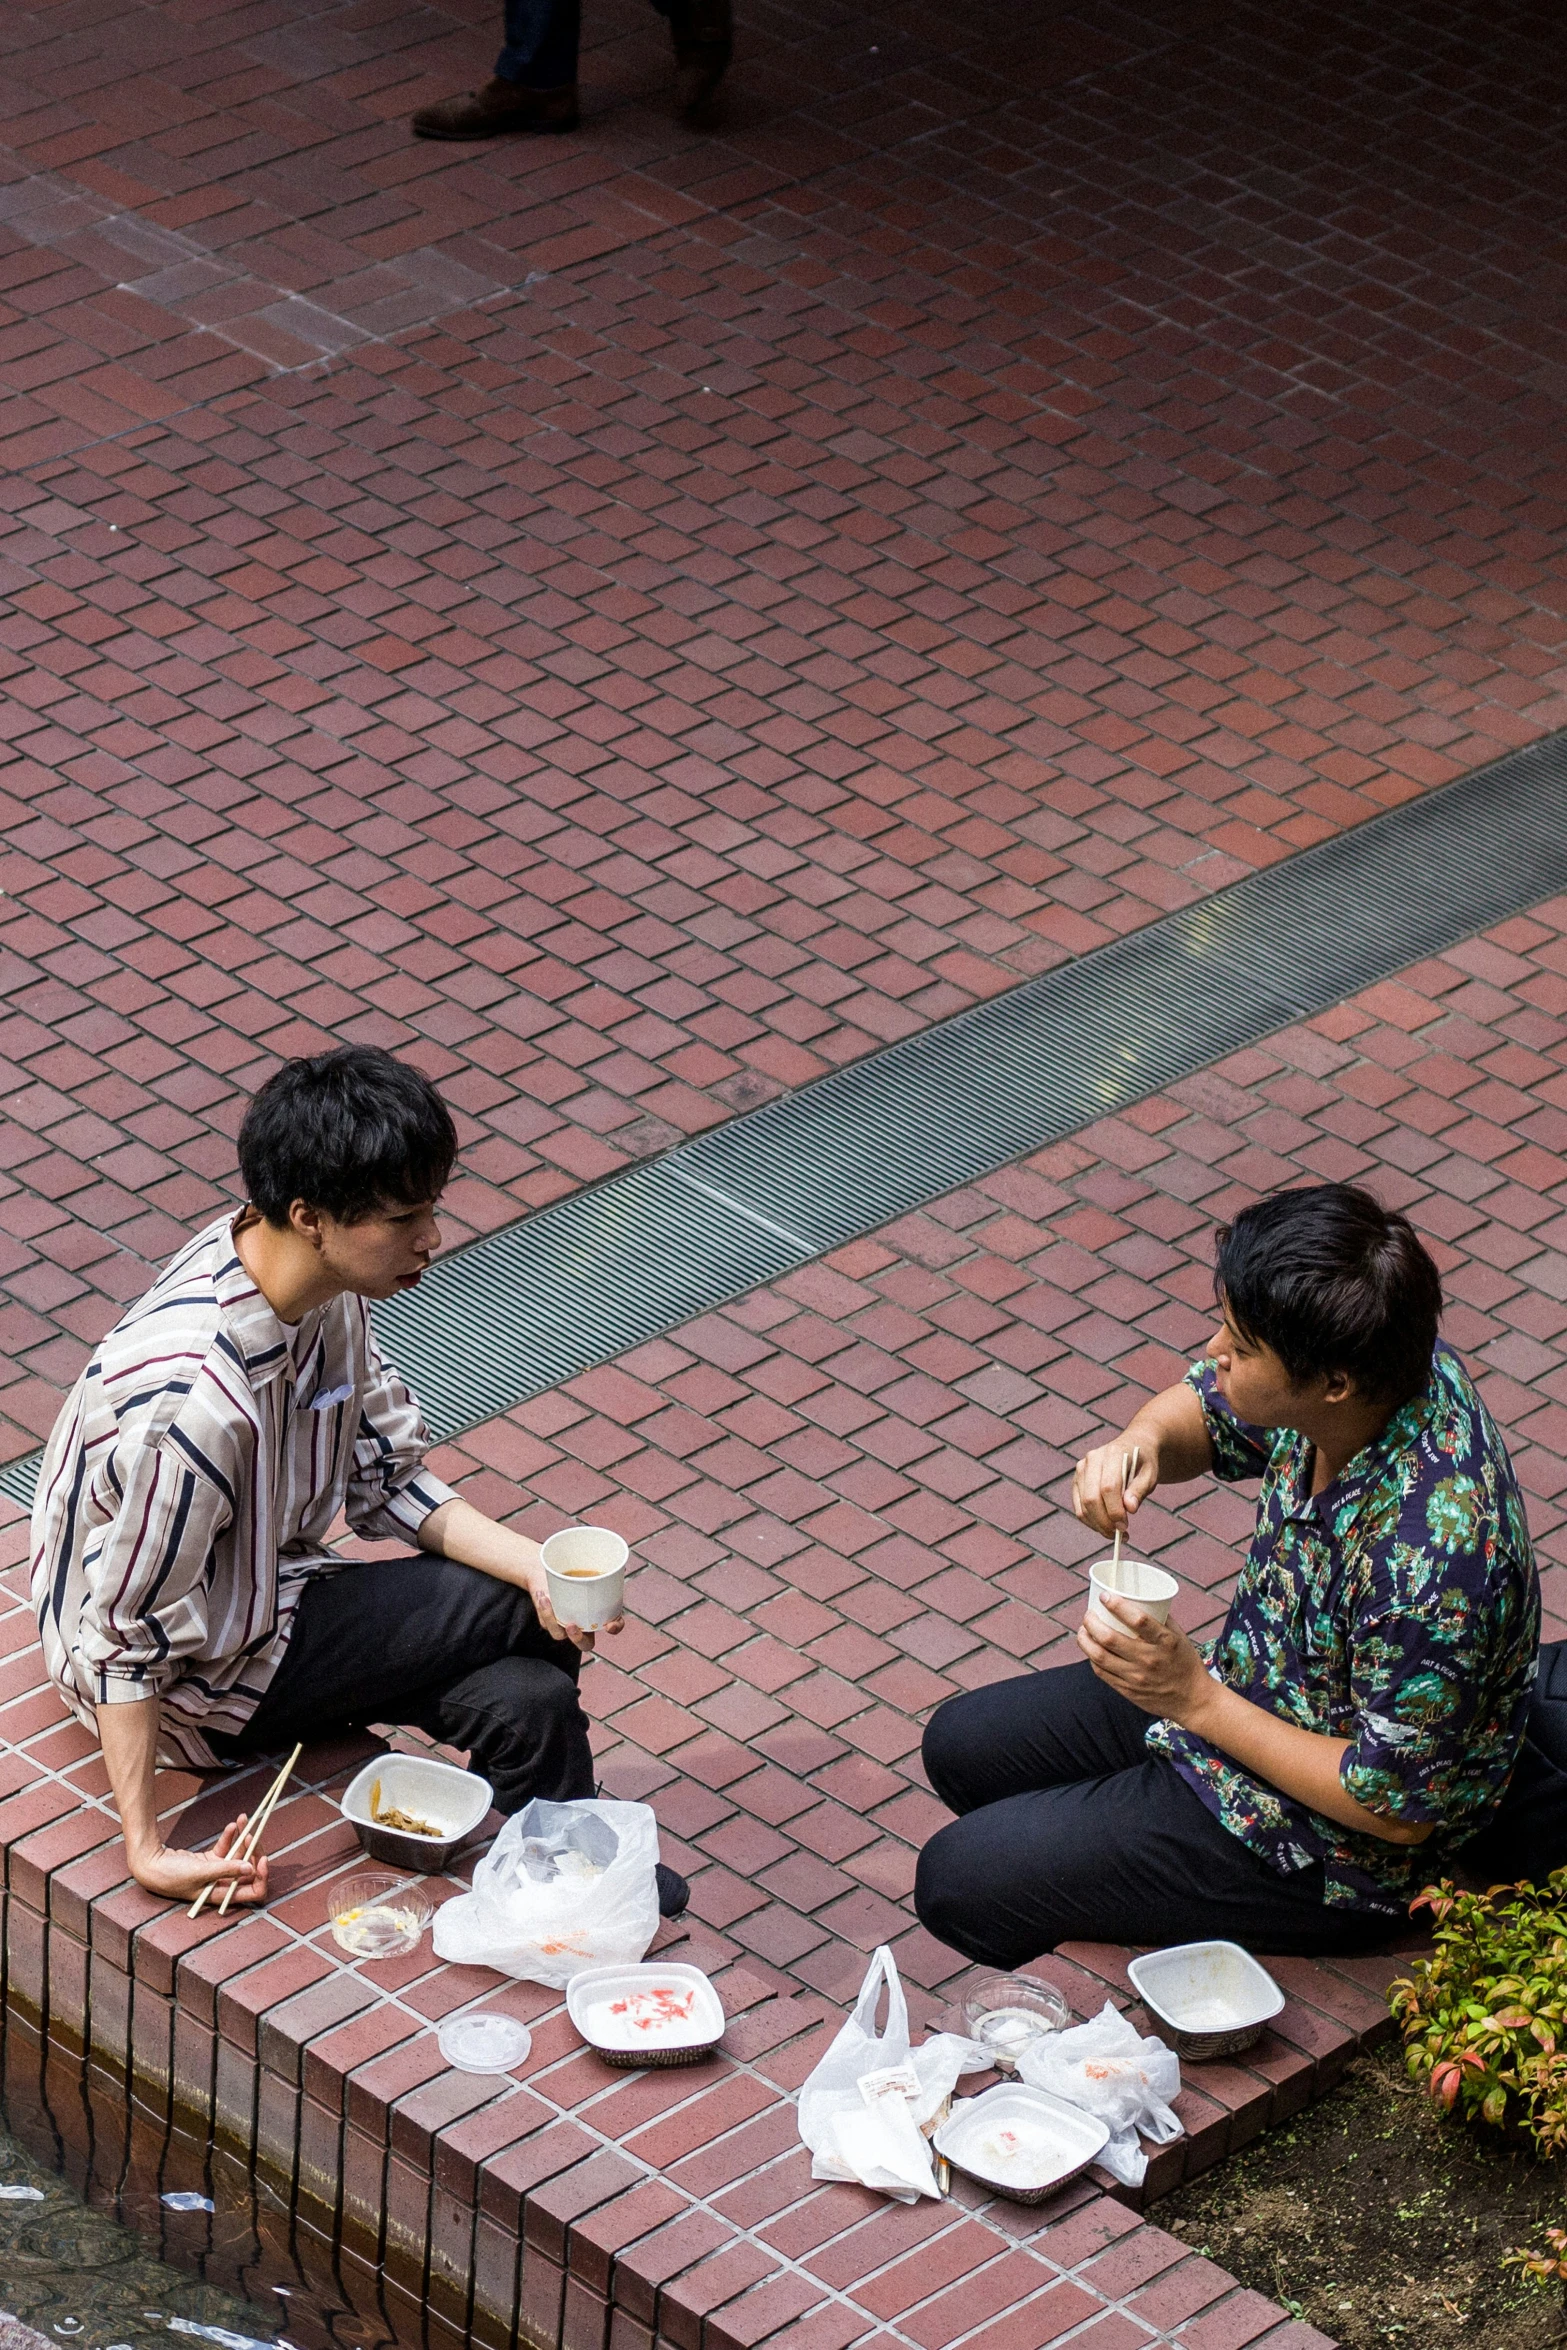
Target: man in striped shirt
[[190, 1608]]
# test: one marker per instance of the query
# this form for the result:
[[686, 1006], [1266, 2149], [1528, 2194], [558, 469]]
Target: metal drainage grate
[[580, 1282]]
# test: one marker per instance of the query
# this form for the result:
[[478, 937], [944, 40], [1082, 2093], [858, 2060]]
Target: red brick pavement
[[849, 1489], [1015, 478], [847, 1494]]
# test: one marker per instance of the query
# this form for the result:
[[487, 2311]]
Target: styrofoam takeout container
[[1139, 1580], [451, 1800], [1211, 1998], [1022, 2142], [637, 2035]]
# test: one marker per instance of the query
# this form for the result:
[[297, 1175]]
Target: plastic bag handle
[[883, 1969]]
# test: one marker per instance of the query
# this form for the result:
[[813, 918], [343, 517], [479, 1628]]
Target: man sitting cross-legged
[[1365, 1715], [189, 1607]]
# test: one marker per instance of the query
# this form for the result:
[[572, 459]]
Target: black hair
[[1333, 1281], [351, 1131]]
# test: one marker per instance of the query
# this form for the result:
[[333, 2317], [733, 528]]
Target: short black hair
[[352, 1131], [1333, 1281]]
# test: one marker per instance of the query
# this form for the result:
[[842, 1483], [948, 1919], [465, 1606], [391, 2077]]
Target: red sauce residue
[[651, 2011]]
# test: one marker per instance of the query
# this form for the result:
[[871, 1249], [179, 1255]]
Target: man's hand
[[458, 1531], [1102, 1495], [180, 1876], [128, 1734], [1153, 1664], [536, 1583]]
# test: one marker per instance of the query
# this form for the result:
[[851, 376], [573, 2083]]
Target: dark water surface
[[93, 2252]]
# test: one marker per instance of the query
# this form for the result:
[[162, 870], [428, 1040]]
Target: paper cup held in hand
[[1147, 1587], [586, 1570]]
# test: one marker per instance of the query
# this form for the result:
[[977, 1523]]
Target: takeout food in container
[[652, 2014], [1006, 2013], [1020, 2142], [435, 1809], [377, 1917], [1210, 1998]]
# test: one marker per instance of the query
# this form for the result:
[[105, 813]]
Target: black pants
[[1070, 1831], [442, 1648]]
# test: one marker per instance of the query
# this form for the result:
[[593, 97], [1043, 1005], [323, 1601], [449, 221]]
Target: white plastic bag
[[564, 1886], [1107, 2068], [863, 2109]]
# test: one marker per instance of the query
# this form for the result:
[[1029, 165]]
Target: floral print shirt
[[1398, 1609]]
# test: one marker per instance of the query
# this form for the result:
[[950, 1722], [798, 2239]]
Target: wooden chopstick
[[1129, 1463], [252, 1838], [246, 1847]]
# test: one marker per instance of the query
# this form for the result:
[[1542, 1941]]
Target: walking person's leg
[[534, 87], [703, 34]]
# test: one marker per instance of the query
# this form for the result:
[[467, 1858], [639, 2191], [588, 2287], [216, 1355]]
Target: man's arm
[[458, 1531], [128, 1734], [1156, 1666], [1170, 1437]]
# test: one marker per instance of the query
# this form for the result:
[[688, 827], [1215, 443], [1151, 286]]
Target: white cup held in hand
[[585, 1567], [1146, 1586]]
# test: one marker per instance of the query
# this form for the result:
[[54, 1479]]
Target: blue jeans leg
[[541, 43]]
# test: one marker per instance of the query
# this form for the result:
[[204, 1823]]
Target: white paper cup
[[1148, 1587], [586, 1570]]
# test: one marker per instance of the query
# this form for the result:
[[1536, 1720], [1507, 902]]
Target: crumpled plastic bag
[[564, 1886], [1109, 2069], [864, 2107]]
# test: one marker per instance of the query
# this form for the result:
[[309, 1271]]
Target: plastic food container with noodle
[[449, 1802], [1020, 2141], [653, 2014]]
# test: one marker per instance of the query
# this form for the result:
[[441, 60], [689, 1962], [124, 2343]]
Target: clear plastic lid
[[484, 2043]]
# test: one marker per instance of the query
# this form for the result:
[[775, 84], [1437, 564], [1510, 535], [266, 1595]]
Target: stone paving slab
[[732, 601], [847, 1492]]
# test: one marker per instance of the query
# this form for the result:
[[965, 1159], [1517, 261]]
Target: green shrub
[[1482, 2017], [1547, 2266]]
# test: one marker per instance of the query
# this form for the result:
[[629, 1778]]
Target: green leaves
[[1482, 2016]]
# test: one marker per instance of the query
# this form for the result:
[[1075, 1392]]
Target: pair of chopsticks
[[1129, 1463], [249, 1844]]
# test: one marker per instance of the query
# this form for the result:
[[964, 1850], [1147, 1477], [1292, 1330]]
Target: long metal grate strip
[[580, 1282]]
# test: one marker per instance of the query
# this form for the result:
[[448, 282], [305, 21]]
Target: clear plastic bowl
[[1004, 2013], [378, 1917]]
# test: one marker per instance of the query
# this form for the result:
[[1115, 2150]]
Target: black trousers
[[1069, 1830], [441, 1648]]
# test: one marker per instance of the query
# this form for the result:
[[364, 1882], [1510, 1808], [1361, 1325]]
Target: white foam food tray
[[1021, 2141], [656, 2013], [452, 1801], [1206, 1992]]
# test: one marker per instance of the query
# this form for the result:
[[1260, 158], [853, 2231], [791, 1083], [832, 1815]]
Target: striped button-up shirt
[[190, 1485]]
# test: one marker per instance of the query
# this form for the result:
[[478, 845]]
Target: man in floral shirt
[[1362, 1711]]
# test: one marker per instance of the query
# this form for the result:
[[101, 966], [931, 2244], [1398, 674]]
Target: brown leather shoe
[[496, 109], [704, 36]]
